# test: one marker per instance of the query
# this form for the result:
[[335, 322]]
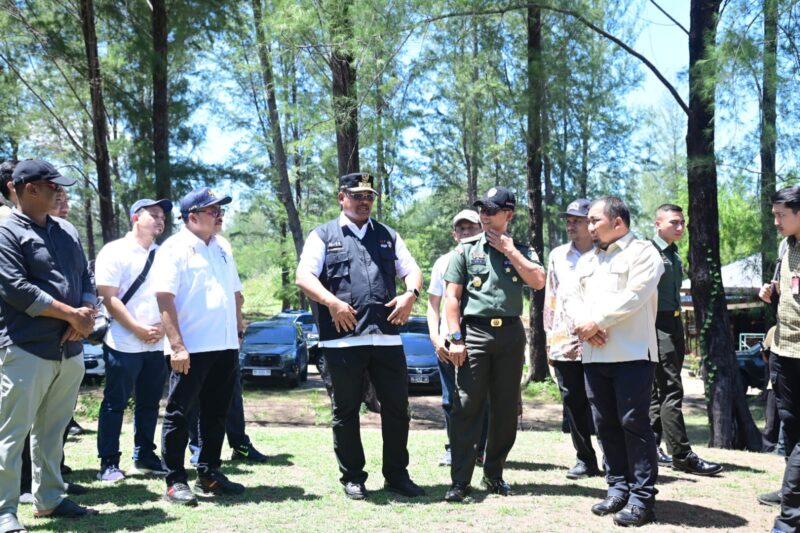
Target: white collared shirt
[[313, 260], [617, 288], [557, 323], [204, 280], [118, 265], [437, 288]]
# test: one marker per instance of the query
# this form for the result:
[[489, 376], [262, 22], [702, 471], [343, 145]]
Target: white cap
[[467, 214]]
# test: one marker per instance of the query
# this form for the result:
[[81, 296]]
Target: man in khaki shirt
[[613, 301], [784, 359]]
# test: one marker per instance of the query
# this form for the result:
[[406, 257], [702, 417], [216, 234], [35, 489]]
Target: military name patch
[[477, 259], [335, 245]]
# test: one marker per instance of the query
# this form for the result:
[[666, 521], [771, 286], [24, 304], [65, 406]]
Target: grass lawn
[[299, 491]]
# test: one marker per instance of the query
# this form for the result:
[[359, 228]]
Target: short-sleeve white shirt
[[437, 286], [118, 265], [204, 280], [312, 259]]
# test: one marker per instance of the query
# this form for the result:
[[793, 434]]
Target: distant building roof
[[741, 274]]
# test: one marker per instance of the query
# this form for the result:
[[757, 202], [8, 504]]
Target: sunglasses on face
[[489, 211], [362, 196], [216, 212]]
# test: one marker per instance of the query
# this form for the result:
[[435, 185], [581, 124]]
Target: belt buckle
[[677, 313], [496, 322]]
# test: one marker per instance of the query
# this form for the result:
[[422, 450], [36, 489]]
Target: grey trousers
[[36, 396]]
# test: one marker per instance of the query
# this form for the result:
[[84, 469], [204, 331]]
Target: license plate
[[262, 372], [419, 379]]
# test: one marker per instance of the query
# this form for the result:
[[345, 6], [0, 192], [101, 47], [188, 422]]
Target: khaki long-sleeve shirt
[[617, 289]]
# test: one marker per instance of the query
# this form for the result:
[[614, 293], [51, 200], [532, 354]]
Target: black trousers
[[620, 397], [386, 366], [789, 519], [234, 423], [492, 372], [572, 385], [666, 404], [786, 383], [209, 383]]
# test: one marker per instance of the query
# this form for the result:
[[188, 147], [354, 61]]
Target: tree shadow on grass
[[265, 493], [690, 515], [123, 493], [533, 467], [122, 519]]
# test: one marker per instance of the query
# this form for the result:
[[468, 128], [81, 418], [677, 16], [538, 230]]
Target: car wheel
[[304, 375], [292, 383]]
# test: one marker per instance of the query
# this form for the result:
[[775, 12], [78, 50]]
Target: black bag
[[103, 320]]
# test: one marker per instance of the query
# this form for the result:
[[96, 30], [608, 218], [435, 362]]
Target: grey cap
[[467, 214], [577, 208]]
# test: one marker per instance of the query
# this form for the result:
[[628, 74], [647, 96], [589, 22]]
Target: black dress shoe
[[633, 515], [581, 470], [611, 504], [773, 499], [181, 494], [73, 489], [66, 509], [405, 487], [497, 486], [663, 458], [692, 464], [355, 491], [457, 493]]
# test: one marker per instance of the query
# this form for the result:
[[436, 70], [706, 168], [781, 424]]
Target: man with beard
[[349, 266], [133, 349]]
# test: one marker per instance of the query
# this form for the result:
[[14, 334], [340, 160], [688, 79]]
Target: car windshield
[[417, 344], [270, 335]]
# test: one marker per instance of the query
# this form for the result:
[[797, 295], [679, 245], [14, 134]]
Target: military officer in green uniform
[[483, 303]]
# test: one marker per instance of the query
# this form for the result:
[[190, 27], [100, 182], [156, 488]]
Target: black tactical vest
[[361, 273]]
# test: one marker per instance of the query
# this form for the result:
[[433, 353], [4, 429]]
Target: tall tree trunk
[[547, 168], [537, 356], [769, 135], [473, 124], [284, 262], [380, 153], [99, 124], [87, 211], [284, 185], [161, 105], [345, 99], [727, 406]]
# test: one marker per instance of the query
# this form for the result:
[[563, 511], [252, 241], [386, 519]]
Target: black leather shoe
[[633, 515], [405, 487], [355, 491], [497, 486], [773, 499], [663, 458], [216, 484], [611, 504], [581, 470], [9, 522], [692, 464], [249, 453], [457, 493], [181, 494], [73, 489], [66, 509]]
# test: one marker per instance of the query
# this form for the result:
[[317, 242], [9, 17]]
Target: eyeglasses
[[216, 212], [489, 211], [362, 196]]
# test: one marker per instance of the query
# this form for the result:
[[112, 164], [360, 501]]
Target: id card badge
[[795, 284]]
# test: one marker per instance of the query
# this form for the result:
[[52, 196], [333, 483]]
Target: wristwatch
[[415, 291], [455, 337]]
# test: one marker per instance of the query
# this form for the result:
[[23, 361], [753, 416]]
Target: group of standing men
[[184, 300]]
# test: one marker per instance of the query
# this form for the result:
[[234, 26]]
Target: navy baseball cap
[[200, 198], [357, 182], [497, 198], [164, 204], [32, 170], [577, 208]]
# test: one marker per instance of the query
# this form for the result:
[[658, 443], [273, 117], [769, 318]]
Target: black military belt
[[497, 322], [673, 314]]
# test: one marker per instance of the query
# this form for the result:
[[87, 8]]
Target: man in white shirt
[[199, 296], [133, 349], [613, 302], [466, 224], [564, 348], [349, 265]]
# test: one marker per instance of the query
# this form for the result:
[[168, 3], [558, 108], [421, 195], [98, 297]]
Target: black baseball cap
[[200, 198], [497, 198], [357, 182], [32, 170], [577, 208]]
